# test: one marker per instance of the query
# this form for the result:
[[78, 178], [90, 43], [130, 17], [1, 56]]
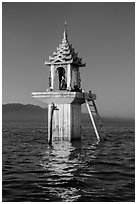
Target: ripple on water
[[78, 171]]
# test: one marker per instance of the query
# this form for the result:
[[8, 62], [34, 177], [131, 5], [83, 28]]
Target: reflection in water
[[58, 158], [64, 160], [77, 171]]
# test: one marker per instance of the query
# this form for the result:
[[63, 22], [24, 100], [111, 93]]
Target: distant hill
[[18, 112], [13, 112]]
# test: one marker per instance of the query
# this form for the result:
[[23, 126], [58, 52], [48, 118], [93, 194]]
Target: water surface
[[68, 171]]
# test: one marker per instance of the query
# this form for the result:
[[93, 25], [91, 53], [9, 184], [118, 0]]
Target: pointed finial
[[65, 25], [65, 30]]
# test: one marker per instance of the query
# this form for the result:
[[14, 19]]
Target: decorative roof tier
[[65, 54]]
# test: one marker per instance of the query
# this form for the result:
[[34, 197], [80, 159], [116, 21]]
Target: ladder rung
[[93, 111]]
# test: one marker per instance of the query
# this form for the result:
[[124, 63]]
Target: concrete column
[[77, 77], [66, 123], [61, 123], [69, 77], [52, 76]]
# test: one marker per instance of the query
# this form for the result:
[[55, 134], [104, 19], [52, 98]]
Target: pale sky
[[102, 33]]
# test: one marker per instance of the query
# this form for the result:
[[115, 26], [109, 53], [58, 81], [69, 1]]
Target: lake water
[[68, 171]]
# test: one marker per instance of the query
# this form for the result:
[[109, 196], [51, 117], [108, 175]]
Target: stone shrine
[[64, 95]]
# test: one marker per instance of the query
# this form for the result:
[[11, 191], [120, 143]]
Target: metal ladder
[[93, 110]]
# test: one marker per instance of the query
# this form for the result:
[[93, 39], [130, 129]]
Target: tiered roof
[[65, 54]]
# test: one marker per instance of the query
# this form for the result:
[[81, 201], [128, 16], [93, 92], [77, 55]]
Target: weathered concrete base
[[66, 124], [66, 121]]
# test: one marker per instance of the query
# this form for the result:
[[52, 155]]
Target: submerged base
[[66, 119]]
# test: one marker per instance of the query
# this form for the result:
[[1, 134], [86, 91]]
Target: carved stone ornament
[[65, 54]]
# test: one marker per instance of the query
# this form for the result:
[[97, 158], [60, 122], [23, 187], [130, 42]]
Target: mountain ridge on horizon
[[20, 112], [31, 112]]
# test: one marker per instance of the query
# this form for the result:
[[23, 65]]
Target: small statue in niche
[[63, 85]]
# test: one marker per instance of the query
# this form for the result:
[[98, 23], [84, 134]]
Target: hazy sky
[[103, 35]]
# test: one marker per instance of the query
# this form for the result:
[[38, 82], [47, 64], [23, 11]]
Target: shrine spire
[[65, 53], [65, 30]]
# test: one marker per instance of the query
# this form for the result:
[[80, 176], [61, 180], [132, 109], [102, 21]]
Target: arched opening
[[62, 78]]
